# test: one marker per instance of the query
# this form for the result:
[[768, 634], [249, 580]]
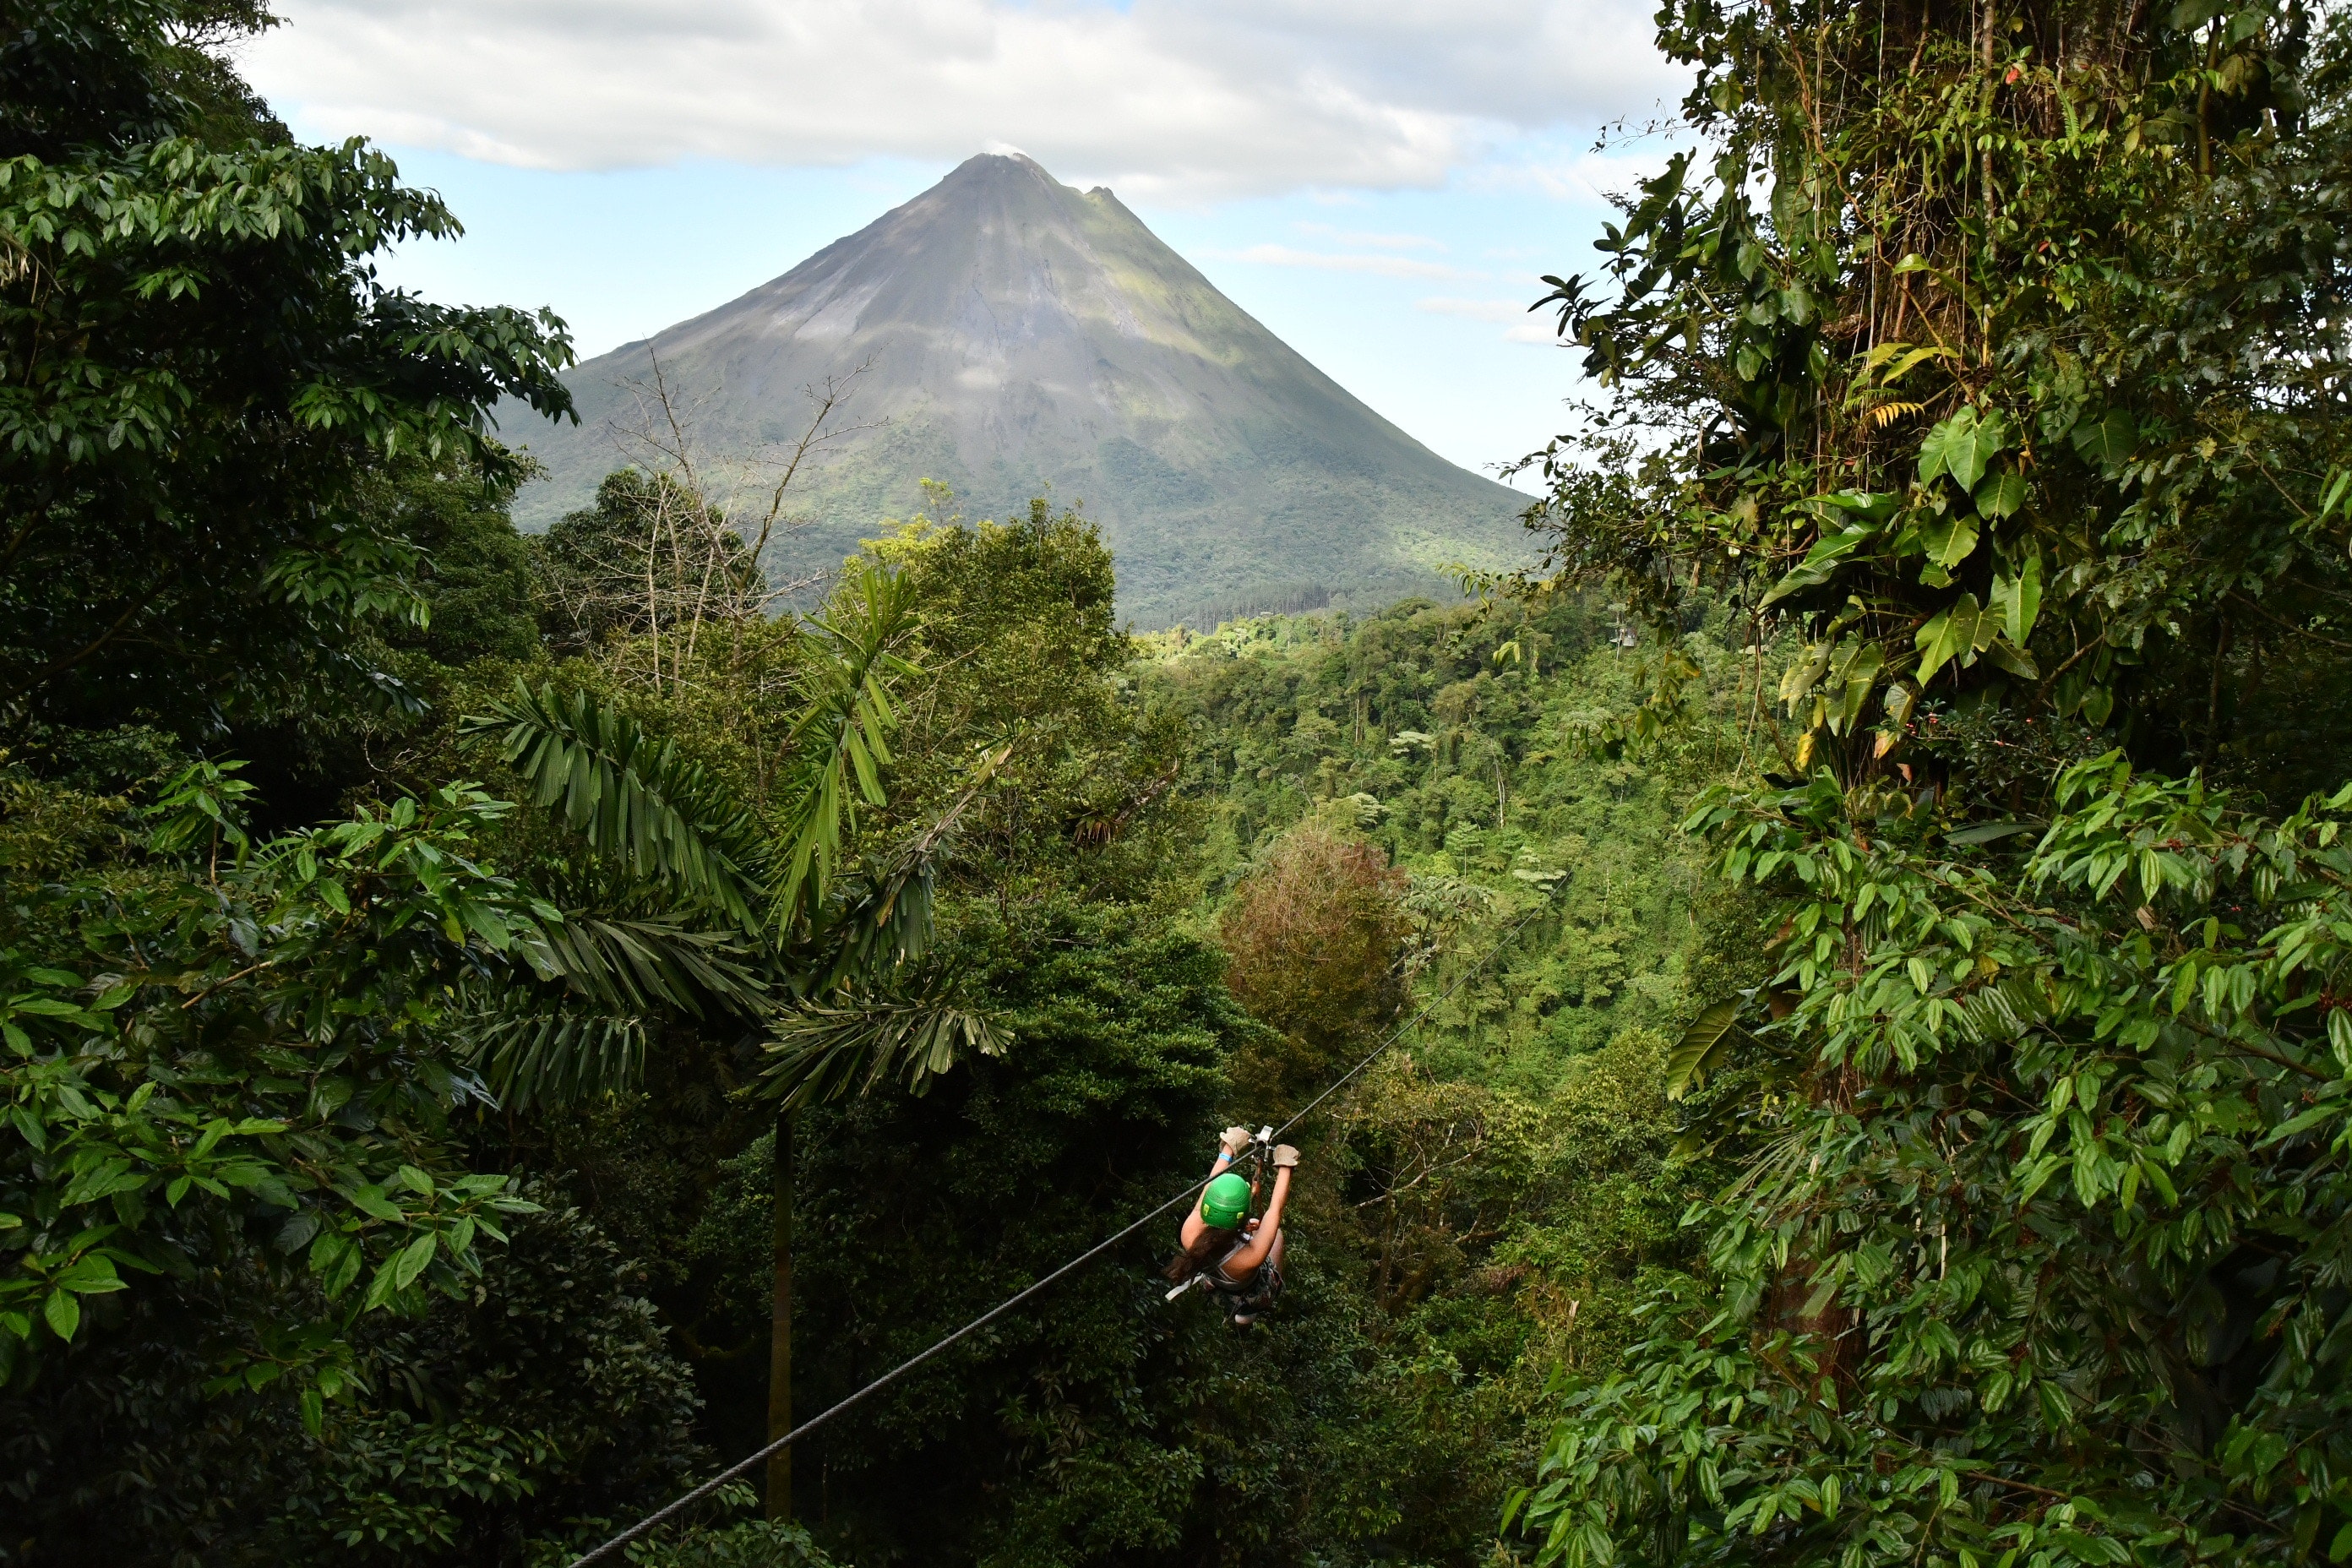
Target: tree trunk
[[780, 1329]]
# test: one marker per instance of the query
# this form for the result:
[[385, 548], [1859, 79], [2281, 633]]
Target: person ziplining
[[1226, 1249]]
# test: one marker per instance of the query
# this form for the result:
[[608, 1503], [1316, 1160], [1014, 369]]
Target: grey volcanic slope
[[1023, 338]]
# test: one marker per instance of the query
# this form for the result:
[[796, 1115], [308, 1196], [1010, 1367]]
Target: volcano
[[1015, 337]]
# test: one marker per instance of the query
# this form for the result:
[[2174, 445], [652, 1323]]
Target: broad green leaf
[[1950, 540], [346, 1269], [2107, 442], [2001, 495], [2010, 658], [370, 1201], [1877, 508], [1820, 562], [1700, 1046], [92, 1275], [1949, 635], [1798, 679], [413, 1259], [2019, 601], [1857, 698], [1963, 445], [2340, 485], [51, 1007], [1854, 675], [1987, 832], [63, 1312], [381, 1289]]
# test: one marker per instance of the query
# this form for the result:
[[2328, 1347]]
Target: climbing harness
[[745, 1465], [1244, 1301]]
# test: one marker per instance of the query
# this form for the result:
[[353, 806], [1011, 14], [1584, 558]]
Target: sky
[[1380, 182]]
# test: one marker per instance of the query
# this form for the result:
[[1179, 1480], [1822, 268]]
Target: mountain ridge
[[1021, 337]]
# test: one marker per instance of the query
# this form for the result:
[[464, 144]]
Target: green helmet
[[1225, 1202]]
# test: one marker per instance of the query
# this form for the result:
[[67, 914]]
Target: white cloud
[[1596, 175], [1325, 261], [1476, 309], [1525, 329], [1377, 241], [1170, 100]]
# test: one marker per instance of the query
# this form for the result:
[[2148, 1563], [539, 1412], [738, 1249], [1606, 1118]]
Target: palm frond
[[870, 929], [647, 964], [664, 816], [825, 1050], [871, 926], [585, 1031], [540, 1059], [842, 742]]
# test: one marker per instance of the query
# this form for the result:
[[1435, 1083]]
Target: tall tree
[[196, 364], [2000, 349], [1993, 357], [778, 883], [225, 1056]]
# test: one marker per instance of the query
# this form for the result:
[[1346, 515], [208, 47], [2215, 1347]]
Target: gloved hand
[[1235, 1139], [1285, 1156]]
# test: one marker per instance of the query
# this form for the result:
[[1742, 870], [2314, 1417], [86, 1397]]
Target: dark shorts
[[1244, 1301]]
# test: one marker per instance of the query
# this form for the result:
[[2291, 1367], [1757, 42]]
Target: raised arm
[[1229, 1148], [1286, 1159]]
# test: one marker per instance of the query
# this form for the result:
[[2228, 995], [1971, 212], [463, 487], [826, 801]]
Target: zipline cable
[[660, 1516]]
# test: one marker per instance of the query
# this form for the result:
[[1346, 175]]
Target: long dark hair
[[1210, 1247]]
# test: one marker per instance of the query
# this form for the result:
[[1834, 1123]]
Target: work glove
[[1235, 1139], [1285, 1156]]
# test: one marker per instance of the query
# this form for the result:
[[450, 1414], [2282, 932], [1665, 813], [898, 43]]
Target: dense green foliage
[[1382, 1410], [197, 362], [1485, 1207], [1469, 1223], [2019, 382], [1997, 357], [1870, 1074], [392, 1161]]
